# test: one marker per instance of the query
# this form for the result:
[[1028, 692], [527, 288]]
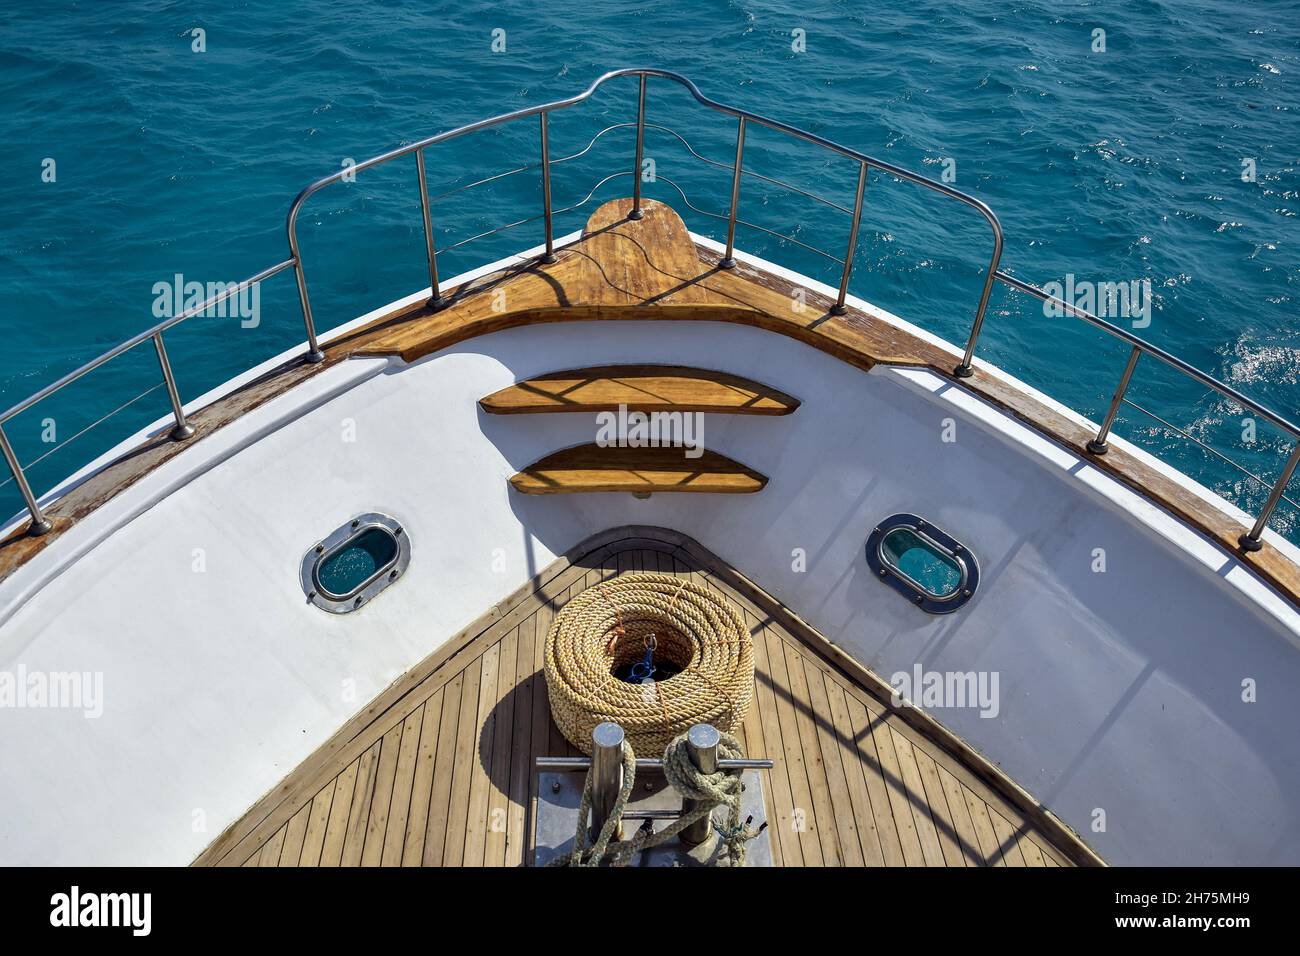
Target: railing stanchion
[[314, 353], [1250, 541], [435, 296], [702, 744], [546, 191], [839, 308], [728, 261], [606, 775], [965, 369], [1098, 445], [40, 524], [640, 153], [183, 429]]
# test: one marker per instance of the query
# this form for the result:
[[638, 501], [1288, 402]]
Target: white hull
[[1120, 691]]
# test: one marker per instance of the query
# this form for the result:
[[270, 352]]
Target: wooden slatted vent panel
[[647, 389], [643, 388], [642, 471]]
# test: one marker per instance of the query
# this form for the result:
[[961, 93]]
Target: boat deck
[[651, 268], [438, 770]]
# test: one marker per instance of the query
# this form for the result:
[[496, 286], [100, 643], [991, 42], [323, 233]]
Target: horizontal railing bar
[[1213, 451], [481, 182], [1191, 371], [699, 97], [95, 424], [531, 166], [690, 205], [744, 172], [140, 338], [587, 149], [746, 222], [523, 222], [652, 814], [491, 232], [784, 238], [577, 764], [745, 116]]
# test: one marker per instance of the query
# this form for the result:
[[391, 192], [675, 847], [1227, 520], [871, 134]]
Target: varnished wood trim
[[593, 468], [651, 269], [642, 388]]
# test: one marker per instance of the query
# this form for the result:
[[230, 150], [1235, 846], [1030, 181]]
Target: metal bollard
[[702, 744], [606, 775]]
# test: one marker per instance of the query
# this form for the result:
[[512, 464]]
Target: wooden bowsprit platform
[[438, 770]]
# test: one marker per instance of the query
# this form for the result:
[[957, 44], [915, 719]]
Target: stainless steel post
[[606, 774], [702, 744], [838, 308], [728, 261], [1098, 445], [182, 429], [966, 369], [546, 192], [640, 153], [314, 353], [435, 298], [40, 524], [1250, 541]]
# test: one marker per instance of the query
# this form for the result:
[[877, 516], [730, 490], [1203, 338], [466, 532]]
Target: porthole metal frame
[[336, 541], [940, 541]]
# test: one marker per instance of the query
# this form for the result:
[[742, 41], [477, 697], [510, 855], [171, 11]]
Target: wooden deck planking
[[440, 770]]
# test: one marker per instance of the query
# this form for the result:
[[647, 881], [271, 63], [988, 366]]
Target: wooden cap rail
[[625, 269], [644, 388]]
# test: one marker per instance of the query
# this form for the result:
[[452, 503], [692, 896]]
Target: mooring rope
[[710, 790], [608, 627]]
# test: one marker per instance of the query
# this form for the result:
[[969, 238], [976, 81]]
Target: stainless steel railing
[[180, 431], [1098, 446], [1250, 541]]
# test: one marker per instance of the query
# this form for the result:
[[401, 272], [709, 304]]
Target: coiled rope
[[609, 626], [711, 790]]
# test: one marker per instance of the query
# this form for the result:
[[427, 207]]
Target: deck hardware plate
[[558, 795]]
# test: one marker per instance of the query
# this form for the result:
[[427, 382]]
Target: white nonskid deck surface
[[1120, 691]]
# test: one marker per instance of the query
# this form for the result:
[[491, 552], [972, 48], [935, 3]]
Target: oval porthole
[[926, 565], [352, 564]]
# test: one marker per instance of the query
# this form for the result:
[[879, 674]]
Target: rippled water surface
[[1110, 166]]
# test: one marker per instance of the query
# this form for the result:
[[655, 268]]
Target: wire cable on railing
[[1213, 451], [95, 424], [746, 172], [666, 129], [681, 192], [744, 222]]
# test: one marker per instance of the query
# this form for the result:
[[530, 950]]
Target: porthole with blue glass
[[924, 563], [351, 565]]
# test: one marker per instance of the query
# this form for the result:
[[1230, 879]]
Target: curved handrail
[[291, 220], [1249, 541]]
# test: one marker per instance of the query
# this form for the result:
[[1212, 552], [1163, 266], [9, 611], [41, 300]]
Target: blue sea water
[[1110, 166]]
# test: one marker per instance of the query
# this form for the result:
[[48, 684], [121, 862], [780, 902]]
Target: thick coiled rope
[[609, 626], [711, 790]]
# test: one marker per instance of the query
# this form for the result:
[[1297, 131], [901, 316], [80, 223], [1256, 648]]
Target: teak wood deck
[[438, 770], [651, 269]]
